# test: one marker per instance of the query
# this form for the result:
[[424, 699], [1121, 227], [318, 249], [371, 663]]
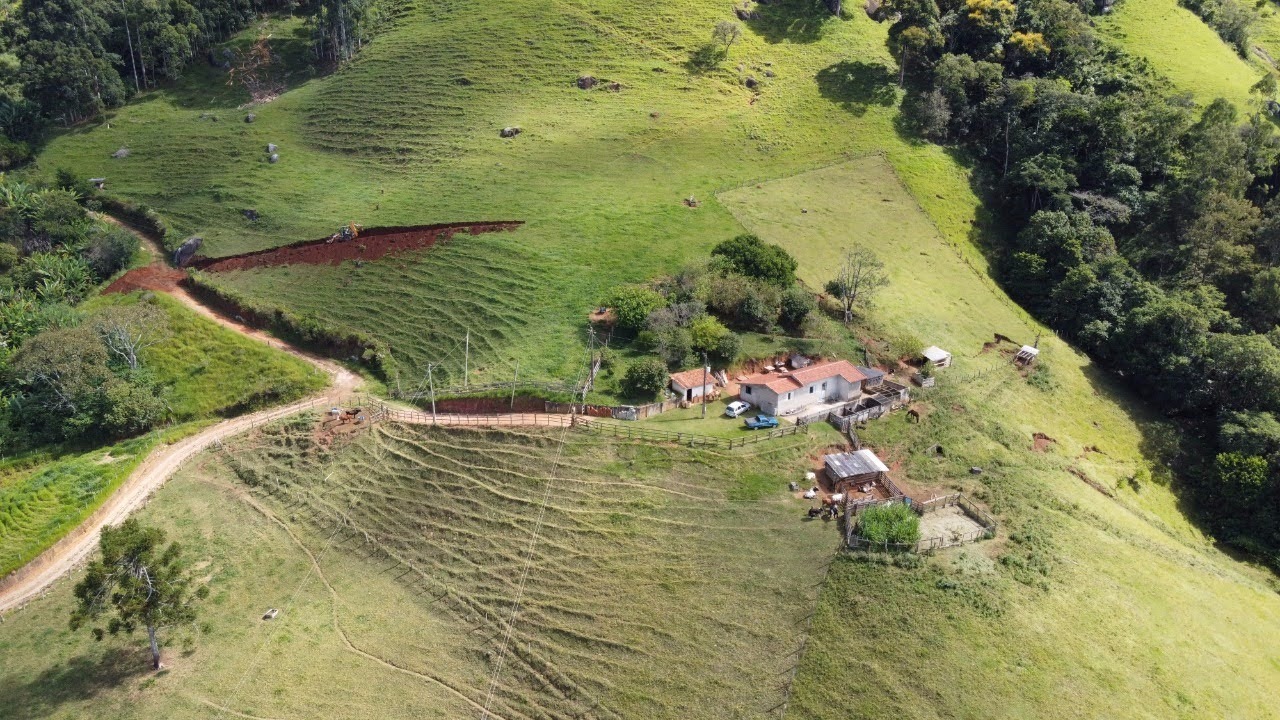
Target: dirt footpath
[[30, 581]]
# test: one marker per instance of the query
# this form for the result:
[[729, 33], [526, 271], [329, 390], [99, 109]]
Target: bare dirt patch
[[949, 523], [1041, 442], [152, 277], [371, 244]]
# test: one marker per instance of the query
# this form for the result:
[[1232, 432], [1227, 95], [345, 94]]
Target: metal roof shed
[[862, 463], [937, 356]]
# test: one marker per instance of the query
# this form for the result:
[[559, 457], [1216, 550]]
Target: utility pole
[[704, 385], [466, 363], [514, 383], [432, 384]]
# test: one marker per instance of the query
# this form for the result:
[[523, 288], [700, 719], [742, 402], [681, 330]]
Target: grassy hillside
[[209, 371], [1089, 602], [1182, 48], [43, 495], [408, 133], [663, 584], [1099, 598]]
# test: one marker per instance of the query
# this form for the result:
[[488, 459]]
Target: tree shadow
[[797, 21], [79, 679], [857, 85]]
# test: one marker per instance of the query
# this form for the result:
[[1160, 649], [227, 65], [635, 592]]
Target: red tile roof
[[690, 379], [781, 382]]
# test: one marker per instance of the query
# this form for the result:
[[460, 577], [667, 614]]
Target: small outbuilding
[[861, 467], [693, 384], [1026, 355], [937, 356], [875, 377]]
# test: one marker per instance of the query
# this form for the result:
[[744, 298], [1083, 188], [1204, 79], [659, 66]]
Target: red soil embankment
[[371, 244], [152, 277]]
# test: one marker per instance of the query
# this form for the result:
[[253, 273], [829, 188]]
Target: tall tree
[[860, 277], [137, 582]]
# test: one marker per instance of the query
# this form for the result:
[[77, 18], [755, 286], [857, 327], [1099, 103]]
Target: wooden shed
[[861, 467]]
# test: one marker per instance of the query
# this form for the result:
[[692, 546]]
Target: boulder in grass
[[272, 147], [510, 132], [752, 83], [275, 158], [249, 214], [187, 250], [586, 82], [121, 154], [250, 118]]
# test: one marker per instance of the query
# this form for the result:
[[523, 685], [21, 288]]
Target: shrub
[[706, 332], [755, 258], [645, 378], [797, 304], [632, 305], [895, 523], [728, 348], [8, 257], [674, 345], [110, 250]]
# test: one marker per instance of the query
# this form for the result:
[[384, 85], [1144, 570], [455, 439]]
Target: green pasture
[[44, 495], [701, 580], [1087, 604], [1182, 48], [664, 583], [408, 134], [208, 371]]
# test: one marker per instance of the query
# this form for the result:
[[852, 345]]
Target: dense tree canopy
[[1145, 228]]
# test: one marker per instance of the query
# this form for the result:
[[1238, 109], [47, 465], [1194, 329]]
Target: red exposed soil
[[1042, 442], [152, 277], [371, 244]]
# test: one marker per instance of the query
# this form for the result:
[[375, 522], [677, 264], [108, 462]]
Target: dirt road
[[35, 577]]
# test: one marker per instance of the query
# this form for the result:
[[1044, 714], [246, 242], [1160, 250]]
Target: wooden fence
[[639, 432]]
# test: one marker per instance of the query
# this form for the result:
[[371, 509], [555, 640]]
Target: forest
[[63, 62], [1144, 228]]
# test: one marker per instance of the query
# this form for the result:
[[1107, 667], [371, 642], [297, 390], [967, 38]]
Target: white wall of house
[[692, 393], [835, 389]]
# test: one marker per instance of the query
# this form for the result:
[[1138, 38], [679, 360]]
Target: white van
[[736, 408]]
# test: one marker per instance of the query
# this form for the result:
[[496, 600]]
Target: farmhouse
[[789, 391], [693, 384]]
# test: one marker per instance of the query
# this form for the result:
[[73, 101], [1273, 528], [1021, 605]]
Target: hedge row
[[301, 329]]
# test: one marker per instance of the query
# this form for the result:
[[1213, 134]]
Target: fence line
[[853, 541], [637, 432]]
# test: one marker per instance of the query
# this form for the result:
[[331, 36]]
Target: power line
[[524, 572]]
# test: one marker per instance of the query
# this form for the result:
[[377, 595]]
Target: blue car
[[762, 422]]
